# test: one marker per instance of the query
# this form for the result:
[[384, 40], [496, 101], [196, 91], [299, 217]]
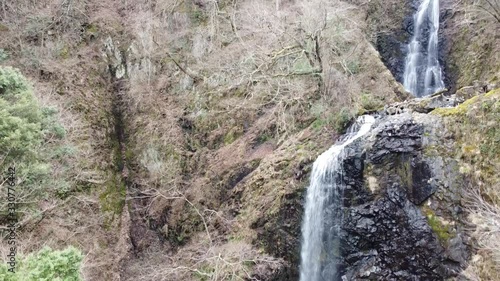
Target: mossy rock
[[474, 125], [112, 198], [441, 229]]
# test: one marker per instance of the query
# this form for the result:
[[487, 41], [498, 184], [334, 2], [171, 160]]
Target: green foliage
[[3, 55], [370, 103], [339, 120], [50, 125], [442, 231], [353, 67], [342, 119], [29, 139], [20, 117], [46, 265]]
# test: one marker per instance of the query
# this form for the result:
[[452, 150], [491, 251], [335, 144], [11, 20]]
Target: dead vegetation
[[55, 44], [488, 9], [209, 81], [223, 99], [485, 264]]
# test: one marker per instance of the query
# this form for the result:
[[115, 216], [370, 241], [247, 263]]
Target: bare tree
[[491, 7]]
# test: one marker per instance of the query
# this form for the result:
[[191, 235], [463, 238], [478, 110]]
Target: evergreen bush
[[46, 265]]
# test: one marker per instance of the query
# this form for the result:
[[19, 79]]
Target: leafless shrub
[[489, 7], [206, 257], [485, 265], [234, 260]]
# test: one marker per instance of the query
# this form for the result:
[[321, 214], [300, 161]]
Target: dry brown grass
[[55, 44], [233, 260], [485, 264], [244, 76], [223, 67]]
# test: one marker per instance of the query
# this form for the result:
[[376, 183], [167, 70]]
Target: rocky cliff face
[[391, 231], [403, 202], [405, 216]]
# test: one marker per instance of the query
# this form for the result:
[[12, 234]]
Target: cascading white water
[[423, 75], [323, 215]]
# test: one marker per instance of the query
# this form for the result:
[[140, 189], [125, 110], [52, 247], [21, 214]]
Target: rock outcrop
[[391, 230], [402, 214]]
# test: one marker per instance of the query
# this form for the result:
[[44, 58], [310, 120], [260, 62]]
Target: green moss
[[64, 52], [442, 231], [129, 155], [113, 197], [474, 125], [92, 29], [457, 110], [342, 119], [404, 170], [424, 103], [370, 103], [232, 135], [434, 151]]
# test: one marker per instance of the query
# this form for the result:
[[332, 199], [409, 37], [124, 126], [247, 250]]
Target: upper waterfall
[[323, 209], [423, 74]]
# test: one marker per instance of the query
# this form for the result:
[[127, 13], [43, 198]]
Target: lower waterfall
[[323, 209]]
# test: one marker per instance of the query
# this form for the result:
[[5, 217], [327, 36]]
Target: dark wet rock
[[397, 135], [401, 207], [423, 105], [386, 233], [390, 240], [392, 49], [282, 241]]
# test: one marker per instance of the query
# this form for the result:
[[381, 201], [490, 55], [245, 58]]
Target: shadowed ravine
[[323, 216]]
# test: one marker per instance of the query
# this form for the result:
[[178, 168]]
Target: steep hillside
[[181, 134]]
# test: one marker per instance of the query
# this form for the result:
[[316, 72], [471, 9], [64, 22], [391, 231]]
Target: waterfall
[[323, 209], [423, 75]]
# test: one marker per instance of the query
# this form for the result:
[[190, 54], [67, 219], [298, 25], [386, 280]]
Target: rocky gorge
[[187, 135]]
